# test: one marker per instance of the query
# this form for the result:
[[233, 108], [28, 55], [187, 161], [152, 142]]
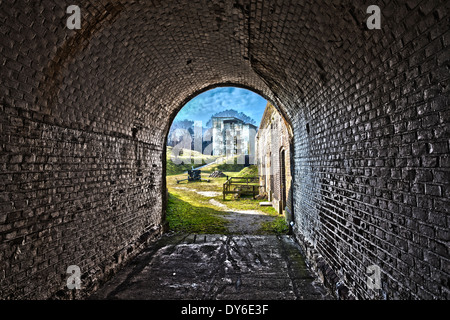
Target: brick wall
[[84, 117], [274, 136], [372, 176], [71, 198]]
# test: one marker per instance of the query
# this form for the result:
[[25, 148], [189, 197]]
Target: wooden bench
[[241, 186]]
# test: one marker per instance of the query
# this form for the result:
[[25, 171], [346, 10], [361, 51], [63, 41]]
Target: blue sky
[[203, 106]]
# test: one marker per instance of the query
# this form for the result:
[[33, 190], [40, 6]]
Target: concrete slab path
[[216, 267]]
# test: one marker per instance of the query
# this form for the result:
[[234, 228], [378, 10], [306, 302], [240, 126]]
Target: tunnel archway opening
[[84, 117], [215, 164]]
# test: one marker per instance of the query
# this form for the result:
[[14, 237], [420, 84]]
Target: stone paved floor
[[218, 267]]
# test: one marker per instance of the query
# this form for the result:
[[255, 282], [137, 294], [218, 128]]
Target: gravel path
[[243, 221]]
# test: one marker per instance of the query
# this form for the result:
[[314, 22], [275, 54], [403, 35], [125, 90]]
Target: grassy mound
[[184, 162], [227, 165], [251, 171]]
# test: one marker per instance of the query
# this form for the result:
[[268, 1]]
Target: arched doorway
[[227, 133]]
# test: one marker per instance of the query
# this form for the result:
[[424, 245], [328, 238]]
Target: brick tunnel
[[85, 114]]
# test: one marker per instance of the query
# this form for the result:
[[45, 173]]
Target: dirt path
[[243, 221], [208, 194]]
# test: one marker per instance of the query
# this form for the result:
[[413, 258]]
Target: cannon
[[193, 175]]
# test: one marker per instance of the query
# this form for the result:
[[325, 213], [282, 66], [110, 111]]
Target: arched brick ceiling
[[85, 114], [134, 63]]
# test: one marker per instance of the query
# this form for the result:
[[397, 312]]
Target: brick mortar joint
[[104, 271], [46, 120], [323, 270]]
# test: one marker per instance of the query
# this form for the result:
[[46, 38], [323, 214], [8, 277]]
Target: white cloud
[[203, 106]]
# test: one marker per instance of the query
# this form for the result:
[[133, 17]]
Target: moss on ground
[[278, 226]]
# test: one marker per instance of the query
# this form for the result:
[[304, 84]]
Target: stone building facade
[[232, 136], [273, 155]]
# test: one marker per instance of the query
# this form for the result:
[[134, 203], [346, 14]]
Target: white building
[[232, 136]]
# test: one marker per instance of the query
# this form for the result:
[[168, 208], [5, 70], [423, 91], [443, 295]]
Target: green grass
[[229, 165], [185, 161], [188, 211], [246, 203], [251, 171], [184, 214], [173, 168], [278, 226]]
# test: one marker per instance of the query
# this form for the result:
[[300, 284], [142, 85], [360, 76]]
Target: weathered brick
[[433, 190], [72, 100], [429, 162], [441, 176]]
